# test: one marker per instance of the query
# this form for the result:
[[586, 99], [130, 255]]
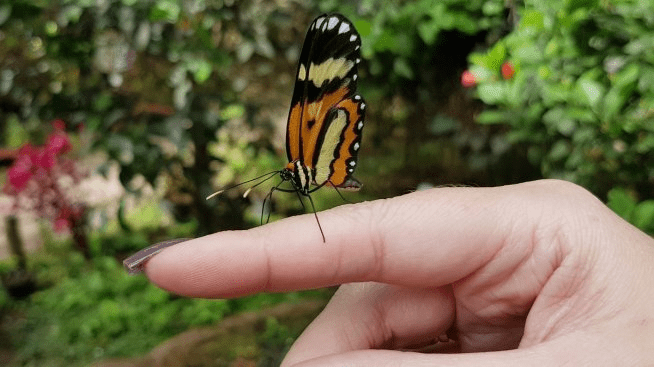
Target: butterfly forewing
[[326, 118]]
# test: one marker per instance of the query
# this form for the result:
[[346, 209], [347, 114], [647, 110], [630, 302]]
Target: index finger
[[427, 238]]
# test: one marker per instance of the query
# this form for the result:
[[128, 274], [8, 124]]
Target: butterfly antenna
[[244, 182], [313, 207], [247, 192]]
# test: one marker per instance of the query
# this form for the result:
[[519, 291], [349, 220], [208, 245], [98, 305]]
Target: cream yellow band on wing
[[332, 138], [328, 70]]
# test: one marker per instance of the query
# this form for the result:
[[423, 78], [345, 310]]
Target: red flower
[[59, 124], [45, 158], [28, 150], [61, 224], [20, 172], [468, 79], [508, 70], [58, 143]]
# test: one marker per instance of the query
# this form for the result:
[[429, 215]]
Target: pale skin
[[536, 274]]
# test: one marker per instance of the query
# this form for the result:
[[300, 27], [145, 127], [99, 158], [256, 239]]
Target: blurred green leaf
[[201, 69], [15, 133], [491, 117], [492, 93], [496, 57], [621, 202], [532, 19], [165, 10], [232, 111], [402, 68], [643, 217], [592, 91]]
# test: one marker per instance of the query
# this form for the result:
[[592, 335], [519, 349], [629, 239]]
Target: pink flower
[[61, 224], [468, 79], [28, 150], [20, 172], [45, 159], [508, 70], [58, 143], [59, 124]]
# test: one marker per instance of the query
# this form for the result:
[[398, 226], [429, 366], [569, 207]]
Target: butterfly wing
[[325, 120]]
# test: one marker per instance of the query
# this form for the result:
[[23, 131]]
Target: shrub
[[581, 99]]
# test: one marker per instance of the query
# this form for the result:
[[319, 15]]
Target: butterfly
[[326, 118]]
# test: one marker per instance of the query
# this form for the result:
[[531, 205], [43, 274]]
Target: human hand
[[542, 272]]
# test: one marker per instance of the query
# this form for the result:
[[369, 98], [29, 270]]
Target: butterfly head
[[299, 175]]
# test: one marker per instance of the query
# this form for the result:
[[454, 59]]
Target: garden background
[[118, 118]]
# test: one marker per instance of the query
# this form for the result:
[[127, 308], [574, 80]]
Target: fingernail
[[135, 263]]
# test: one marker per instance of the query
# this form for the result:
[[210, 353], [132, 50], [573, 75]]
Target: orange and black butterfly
[[323, 134]]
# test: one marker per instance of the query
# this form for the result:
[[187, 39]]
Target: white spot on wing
[[356, 146], [354, 77], [352, 37], [358, 47], [344, 28], [357, 97], [318, 22], [363, 106], [358, 60], [353, 163], [333, 21], [360, 125]]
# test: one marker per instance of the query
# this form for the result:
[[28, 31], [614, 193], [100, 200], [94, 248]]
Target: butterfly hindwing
[[339, 144], [321, 131]]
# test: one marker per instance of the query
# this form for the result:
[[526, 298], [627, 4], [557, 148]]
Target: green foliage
[[625, 204], [582, 95], [95, 311], [400, 37], [275, 341], [152, 82]]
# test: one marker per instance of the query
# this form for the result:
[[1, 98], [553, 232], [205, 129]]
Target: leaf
[[628, 75], [532, 19], [201, 69], [491, 93], [614, 101], [428, 31], [5, 12], [481, 73], [232, 111], [643, 217], [491, 117], [591, 90], [621, 203], [443, 125], [402, 68], [496, 56], [560, 150], [15, 132], [528, 54]]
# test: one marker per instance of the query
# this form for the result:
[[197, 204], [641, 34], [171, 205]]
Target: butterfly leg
[[341, 195], [313, 207], [269, 196]]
